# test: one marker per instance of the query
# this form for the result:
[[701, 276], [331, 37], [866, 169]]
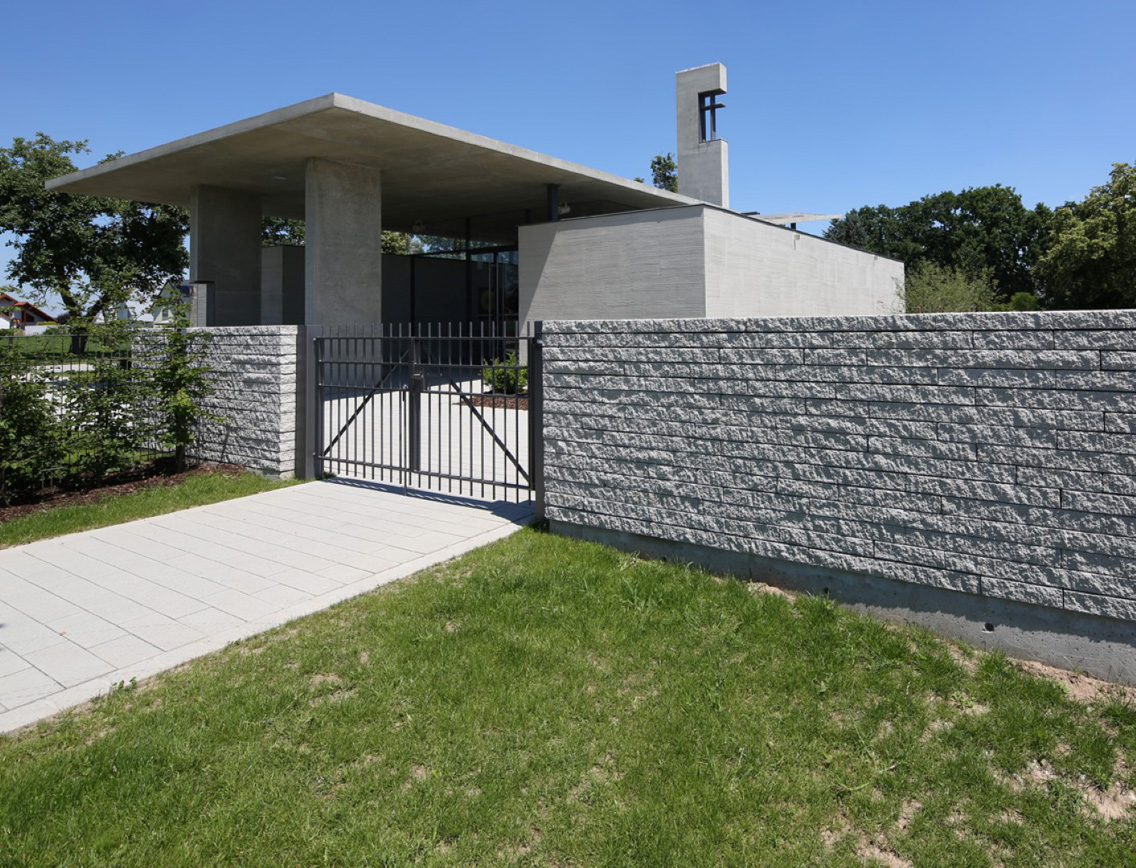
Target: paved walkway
[[81, 613]]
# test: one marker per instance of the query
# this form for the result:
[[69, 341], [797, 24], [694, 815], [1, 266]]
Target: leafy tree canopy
[[282, 232], [979, 231], [933, 288], [92, 251], [664, 172], [276, 231], [1091, 260]]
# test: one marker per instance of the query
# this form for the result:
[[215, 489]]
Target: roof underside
[[431, 173]]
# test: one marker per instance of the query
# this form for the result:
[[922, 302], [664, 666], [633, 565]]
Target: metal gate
[[445, 407]]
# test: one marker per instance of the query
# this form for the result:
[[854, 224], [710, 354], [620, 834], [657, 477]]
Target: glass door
[[496, 291]]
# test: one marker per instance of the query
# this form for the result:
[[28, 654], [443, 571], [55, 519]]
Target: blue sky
[[831, 105]]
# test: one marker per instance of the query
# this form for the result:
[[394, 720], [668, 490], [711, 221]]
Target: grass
[[546, 701], [57, 346], [197, 489]]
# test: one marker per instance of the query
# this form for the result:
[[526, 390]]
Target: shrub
[[105, 433], [181, 385], [505, 376], [1024, 301], [30, 433], [72, 419], [931, 288]]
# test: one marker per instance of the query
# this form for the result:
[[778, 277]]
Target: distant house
[[16, 314]]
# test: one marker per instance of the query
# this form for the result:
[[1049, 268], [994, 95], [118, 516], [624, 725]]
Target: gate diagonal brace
[[462, 395], [378, 387], [500, 443]]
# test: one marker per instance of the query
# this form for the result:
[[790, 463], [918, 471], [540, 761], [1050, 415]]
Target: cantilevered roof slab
[[430, 172]]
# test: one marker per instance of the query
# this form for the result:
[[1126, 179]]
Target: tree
[[980, 231], [281, 231], [664, 173], [1091, 260], [933, 288], [94, 252], [277, 231], [396, 243]]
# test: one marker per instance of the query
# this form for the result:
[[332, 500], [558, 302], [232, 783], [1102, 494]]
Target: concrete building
[[507, 235]]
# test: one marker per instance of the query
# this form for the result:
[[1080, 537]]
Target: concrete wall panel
[[224, 248], [282, 286], [440, 295], [440, 291], [754, 269], [695, 261], [396, 289], [640, 264]]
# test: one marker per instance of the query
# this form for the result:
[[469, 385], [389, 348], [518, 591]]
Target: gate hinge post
[[536, 417], [311, 447]]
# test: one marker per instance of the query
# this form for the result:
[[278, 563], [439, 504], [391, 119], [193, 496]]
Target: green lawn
[[545, 701], [57, 347], [197, 489]]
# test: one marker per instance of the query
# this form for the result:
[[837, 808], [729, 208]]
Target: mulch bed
[[506, 402], [150, 475]]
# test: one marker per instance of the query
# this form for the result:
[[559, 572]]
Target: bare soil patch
[[1081, 687], [501, 402], [156, 473]]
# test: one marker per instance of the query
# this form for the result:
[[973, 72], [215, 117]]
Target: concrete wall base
[[1100, 647]]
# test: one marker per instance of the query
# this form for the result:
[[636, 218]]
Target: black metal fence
[[74, 407], [447, 407]]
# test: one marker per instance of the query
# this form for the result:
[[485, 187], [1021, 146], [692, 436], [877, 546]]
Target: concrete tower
[[703, 158]]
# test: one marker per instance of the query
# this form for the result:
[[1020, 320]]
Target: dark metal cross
[[708, 115]]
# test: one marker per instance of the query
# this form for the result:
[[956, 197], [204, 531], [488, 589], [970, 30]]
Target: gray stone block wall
[[257, 383], [993, 454]]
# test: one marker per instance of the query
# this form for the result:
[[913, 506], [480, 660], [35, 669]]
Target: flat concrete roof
[[795, 217], [431, 172]]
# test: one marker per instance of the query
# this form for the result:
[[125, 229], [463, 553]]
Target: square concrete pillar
[[282, 285], [224, 248], [343, 273]]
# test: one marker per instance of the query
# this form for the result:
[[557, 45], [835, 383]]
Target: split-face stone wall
[[990, 454], [258, 383]]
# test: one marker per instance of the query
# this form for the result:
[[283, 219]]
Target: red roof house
[[21, 314]]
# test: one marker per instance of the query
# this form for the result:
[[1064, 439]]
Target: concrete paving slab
[[23, 636], [67, 663], [82, 613], [125, 650], [87, 630], [27, 685], [11, 663]]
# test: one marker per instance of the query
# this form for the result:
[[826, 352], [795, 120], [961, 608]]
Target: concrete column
[[343, 274], [282, 285], [224, 248], [703, 163]]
